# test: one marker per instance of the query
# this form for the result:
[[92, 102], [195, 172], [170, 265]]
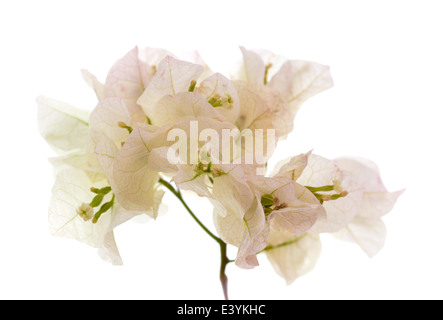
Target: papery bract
[[78, 168], [221, 90], [135, 182], [63, 126], [160, 120], [295, 80], [293, 256], [69, 192], [289, 214], [367, 229], [340, 212], [172, 76], [355, 216], [129, 76], [172, 108]]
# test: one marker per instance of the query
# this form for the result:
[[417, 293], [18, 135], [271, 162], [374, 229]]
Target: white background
[[386, 58]]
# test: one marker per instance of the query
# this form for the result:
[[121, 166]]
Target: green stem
[[179, 197], [224, 258], [283, 244]]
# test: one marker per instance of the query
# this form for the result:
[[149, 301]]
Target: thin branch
[[224, 261], [223, 264], [179, 197]]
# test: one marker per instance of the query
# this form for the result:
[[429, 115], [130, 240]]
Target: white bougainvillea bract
[[163, 124]]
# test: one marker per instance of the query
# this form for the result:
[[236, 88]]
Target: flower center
[[271, 203]]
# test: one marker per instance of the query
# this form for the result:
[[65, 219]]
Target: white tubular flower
[[161, 121], [77, 170], [87, 145], [173, 76], [111, 123], [204, 171], [276, 207], [176, 91], [70, 214], [353, 195], [172, 108], [354, 199], [287, 212], [194, 162], [112, 118], [291, 255], [320, 172], [221, 93], [85, 211]]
